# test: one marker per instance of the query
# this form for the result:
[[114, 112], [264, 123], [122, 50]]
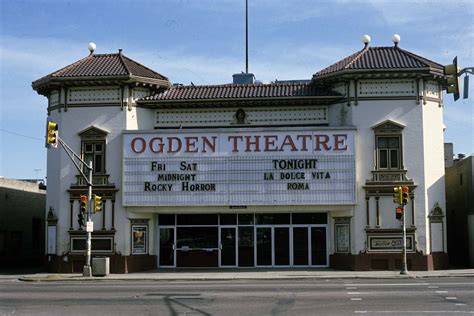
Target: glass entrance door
[[197, 246], [310, 246], [167, 247], [264, 246], [300, 246], [273, 246], [282, 246], [228, 247], [318, 246]]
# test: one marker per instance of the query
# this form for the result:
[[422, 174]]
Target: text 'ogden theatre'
[[296, 173]]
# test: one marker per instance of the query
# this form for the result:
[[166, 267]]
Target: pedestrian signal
[[399, 213]]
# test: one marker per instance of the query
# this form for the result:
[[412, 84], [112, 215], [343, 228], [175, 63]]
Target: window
[[94, 151], [388, 152], [93, 148], [388, 146]]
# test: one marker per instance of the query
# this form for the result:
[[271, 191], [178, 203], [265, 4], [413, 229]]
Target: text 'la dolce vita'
[[241, 143]]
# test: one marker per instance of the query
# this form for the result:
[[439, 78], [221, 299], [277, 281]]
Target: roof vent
[[366, 40], [243, 78], [396, 39], [91, 47]]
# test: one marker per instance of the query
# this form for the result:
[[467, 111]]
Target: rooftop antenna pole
[[246, 36], [36, 170]]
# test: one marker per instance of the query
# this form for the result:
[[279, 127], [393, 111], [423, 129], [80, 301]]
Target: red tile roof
[[241, 91], [381, 59], [102, 65], [106, 65]]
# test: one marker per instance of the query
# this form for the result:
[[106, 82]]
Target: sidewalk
[[235, 274]]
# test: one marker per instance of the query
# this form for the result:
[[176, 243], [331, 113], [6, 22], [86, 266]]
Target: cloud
[[270, 62], [39, 56], [404, 12]]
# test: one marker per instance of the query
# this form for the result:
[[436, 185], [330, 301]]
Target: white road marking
[[356, 299], [451, 298], [441, 292], [360, 312], [416, 312], [351, 288], [433, 287], [460, 304], [390, 284], [353, 293]]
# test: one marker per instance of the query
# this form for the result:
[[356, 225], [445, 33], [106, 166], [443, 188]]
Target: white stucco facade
[[360, 233]]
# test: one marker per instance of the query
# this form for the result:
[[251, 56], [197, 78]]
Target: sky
[[203, 41]]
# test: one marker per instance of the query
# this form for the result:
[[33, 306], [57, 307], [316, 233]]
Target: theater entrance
[[243, 240]]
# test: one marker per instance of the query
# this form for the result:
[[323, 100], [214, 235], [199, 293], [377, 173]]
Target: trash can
[[100, 266]]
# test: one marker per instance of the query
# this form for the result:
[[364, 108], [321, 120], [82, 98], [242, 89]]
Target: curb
[[61, 278]]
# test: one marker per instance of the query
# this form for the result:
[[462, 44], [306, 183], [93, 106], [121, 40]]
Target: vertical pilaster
[[113, 214], [417, 83], [356, 98], [377, 207], [71, 213], [423, 86], [367, 210], [104, 203]]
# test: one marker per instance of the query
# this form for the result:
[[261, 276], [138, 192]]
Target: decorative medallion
[[240, 116]]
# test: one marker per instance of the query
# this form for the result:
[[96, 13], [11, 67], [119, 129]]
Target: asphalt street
[[426, 296]]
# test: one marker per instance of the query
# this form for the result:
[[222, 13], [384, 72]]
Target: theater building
[[286, 174]]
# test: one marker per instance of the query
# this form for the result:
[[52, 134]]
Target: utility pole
[[36, 171], [87, 271], [246, 36], [401, 198], [404, 269]]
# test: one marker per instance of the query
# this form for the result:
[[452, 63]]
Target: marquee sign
[[266, 167]]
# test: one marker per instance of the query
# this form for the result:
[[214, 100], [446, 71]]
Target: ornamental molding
[[93, 132], [436, 214], [388, 125]]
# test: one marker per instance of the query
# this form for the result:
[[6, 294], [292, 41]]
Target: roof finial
[[120, 51], [366, 40], [395, 39], [91, 47]]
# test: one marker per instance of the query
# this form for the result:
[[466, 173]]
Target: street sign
[[90, 227]]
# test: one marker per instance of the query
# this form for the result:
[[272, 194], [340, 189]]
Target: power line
[[18, 134]]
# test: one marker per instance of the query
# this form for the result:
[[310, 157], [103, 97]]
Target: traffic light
[[452, 80], [399, 213], [397, 197], [52, 134], [83, 204], [97, 203], [405, 195]]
